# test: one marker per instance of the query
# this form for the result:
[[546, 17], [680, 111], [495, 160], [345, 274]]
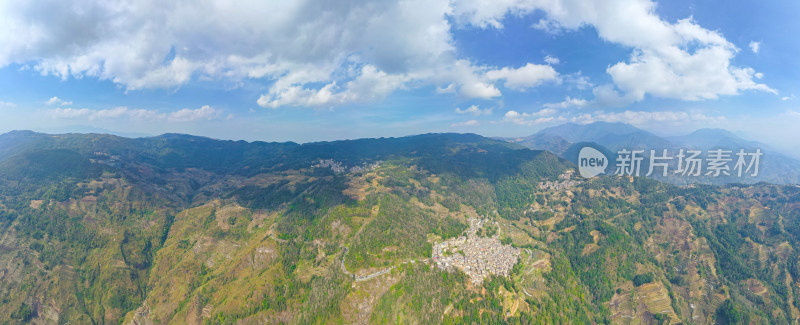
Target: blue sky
[[321, 70]]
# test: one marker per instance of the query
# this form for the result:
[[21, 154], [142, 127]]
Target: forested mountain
[[565, 141], [433, 228]]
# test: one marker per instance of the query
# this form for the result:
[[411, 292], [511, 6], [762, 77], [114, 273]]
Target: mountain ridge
[[436, 228], [777, 167]]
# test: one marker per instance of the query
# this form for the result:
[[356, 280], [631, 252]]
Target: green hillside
[[98, 229]]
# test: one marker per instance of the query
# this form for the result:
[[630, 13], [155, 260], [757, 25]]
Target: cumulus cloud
[[466, 123], [184, 115], [530, 75], [608, 96], [542, 116], [490, 13], [474, 110], [57, 101], [310, 53], [371, 84], [755, 46], [605, 96], [187, 115], [548, 26], [466, 79], [577, 80], [551, 60], [665, 67], [567, 103], [327, 53], [480, 89], [679, 60]]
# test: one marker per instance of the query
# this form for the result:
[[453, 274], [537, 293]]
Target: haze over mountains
[[564, 140]]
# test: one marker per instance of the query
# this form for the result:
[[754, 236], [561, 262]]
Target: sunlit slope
[[180, 229]]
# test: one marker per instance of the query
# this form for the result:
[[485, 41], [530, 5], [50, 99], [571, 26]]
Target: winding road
[[371, 275]]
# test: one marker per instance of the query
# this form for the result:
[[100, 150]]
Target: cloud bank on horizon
[[331, 55]]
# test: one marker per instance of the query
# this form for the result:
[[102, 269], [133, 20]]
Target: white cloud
[[188, 115], [551, 60], [665, 67], [548, 26], [7, 104], [480, 89], [530, 75], [785, 98], [577, 80], [755, 46], [184, 115], [327, 53], [607, 96], [567, 103], [371, 84], [474, 110], [466, 123], [449, 89], [311, 53], [57, 101], [298, 96], [542, 116], [177, 72], [679, 60], [489, 13], [465, 78]]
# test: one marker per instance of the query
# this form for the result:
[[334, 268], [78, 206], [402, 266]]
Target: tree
[[728, 313], [641, 279]]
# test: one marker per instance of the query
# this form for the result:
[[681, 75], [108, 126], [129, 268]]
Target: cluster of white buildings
[[338, 167], [564, 181], [478, 257]]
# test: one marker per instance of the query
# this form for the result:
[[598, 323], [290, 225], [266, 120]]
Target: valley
[[439, 228]]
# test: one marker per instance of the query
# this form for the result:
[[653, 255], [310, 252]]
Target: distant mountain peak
[[601, 132], [20, 132], [180, 136], [713, 132]]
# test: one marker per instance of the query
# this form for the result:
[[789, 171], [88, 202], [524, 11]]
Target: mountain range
[[566, 139], [431, 228]]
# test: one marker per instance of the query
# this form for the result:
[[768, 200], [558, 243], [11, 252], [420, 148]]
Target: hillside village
[[564, 181], [340, 168], [476, 256]]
